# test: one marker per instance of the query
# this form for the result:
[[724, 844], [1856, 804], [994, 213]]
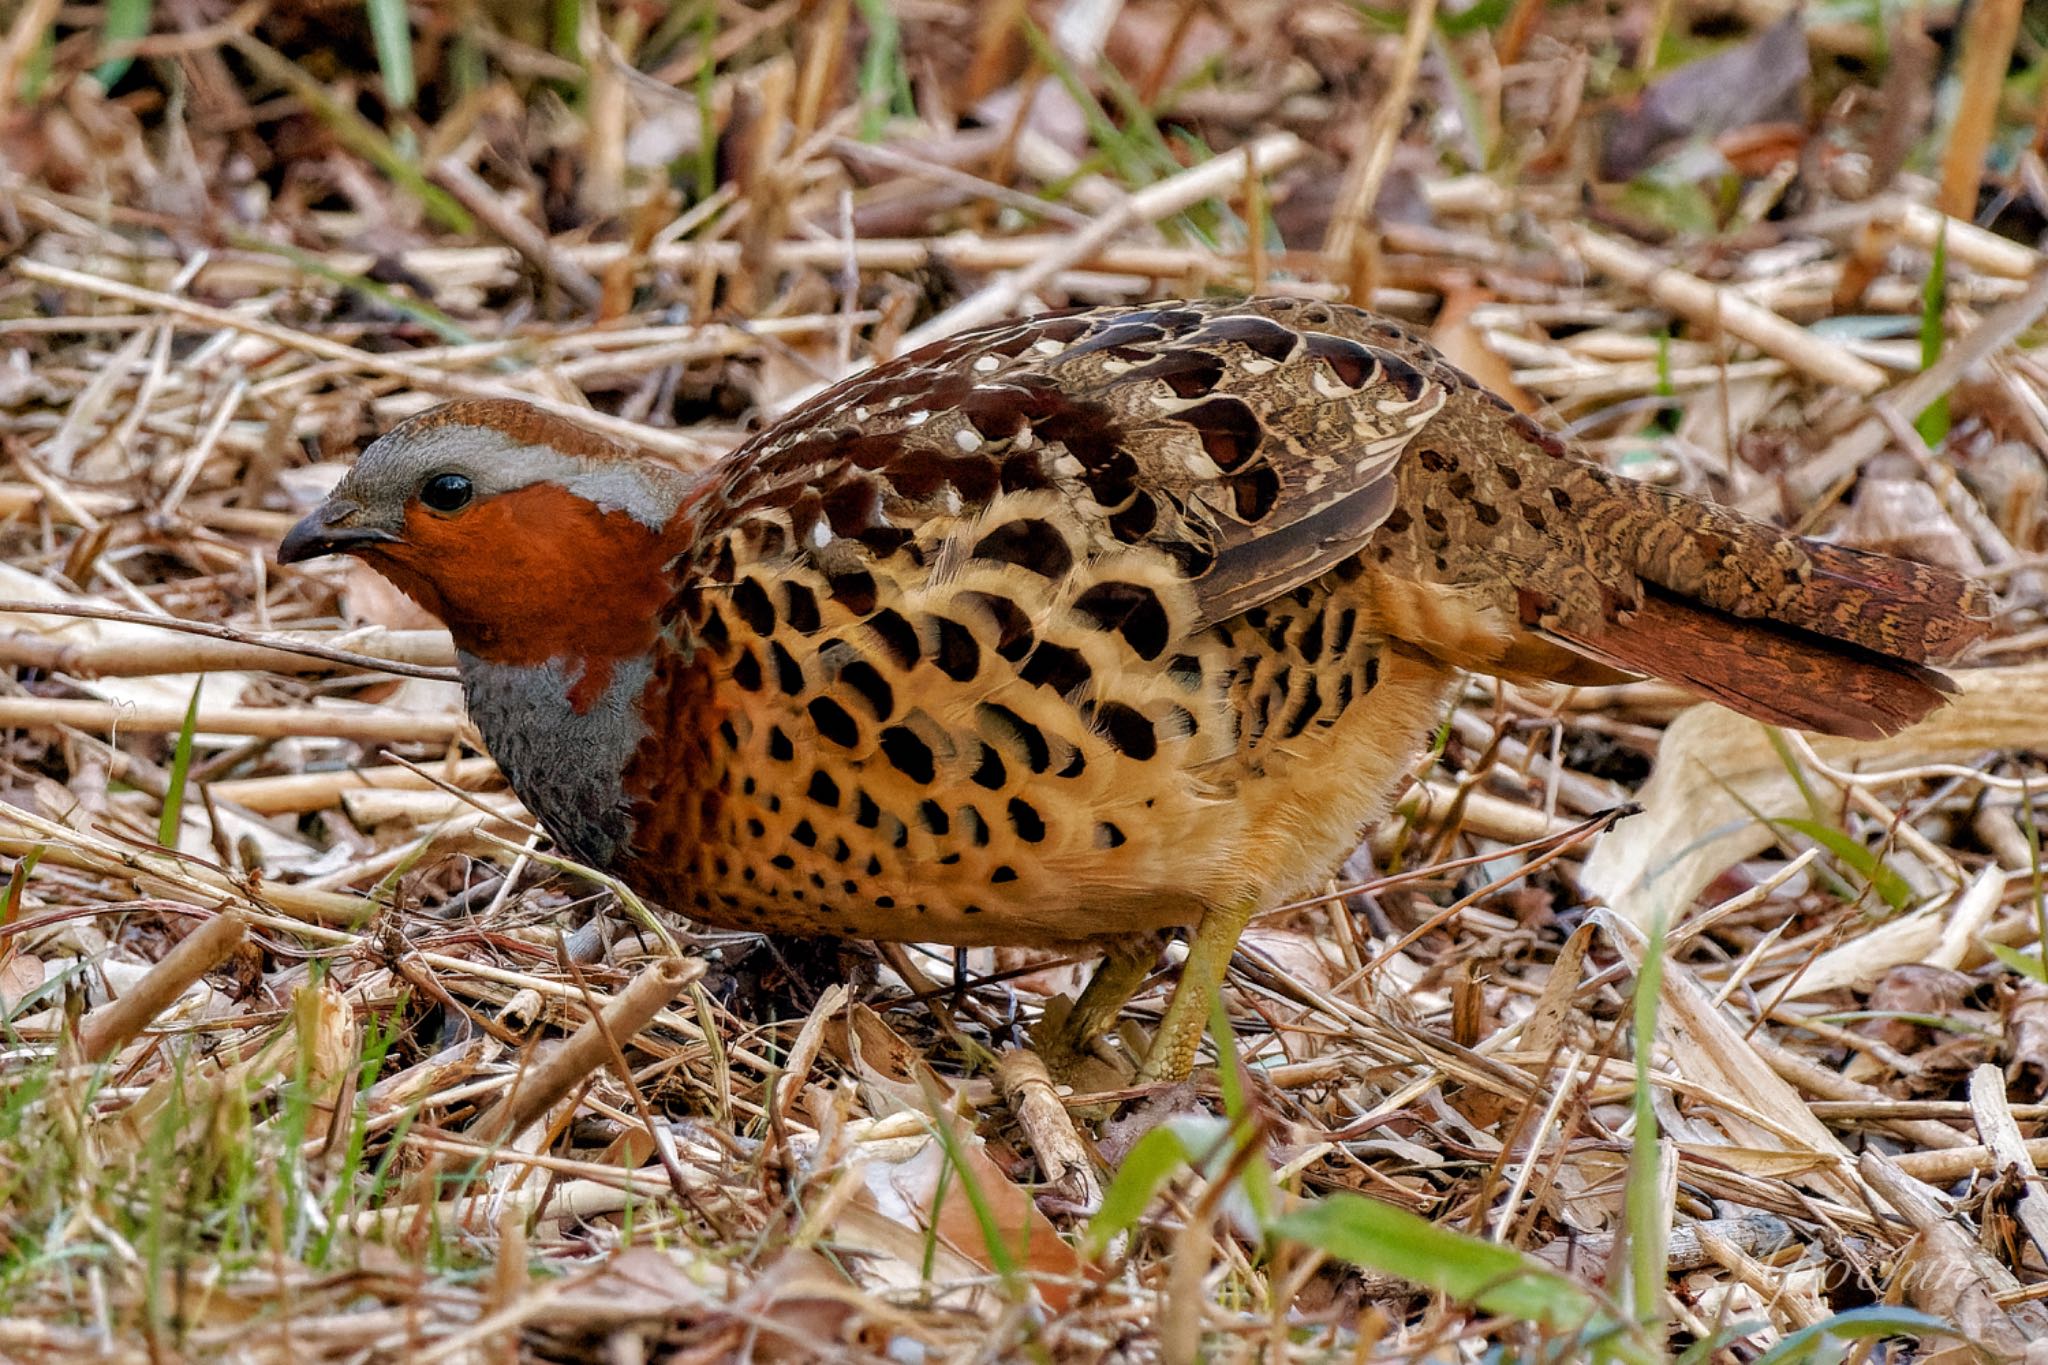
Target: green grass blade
[[356, 133], [1153, 1160], [884, 84], [181, 768], [127, 20], [1495, 1278], [1648, 1220], [1883, 880], [1932, 423], [1822, 1341], [391, 30]]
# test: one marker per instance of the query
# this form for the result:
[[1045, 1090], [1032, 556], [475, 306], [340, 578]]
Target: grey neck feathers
[[566, 767]]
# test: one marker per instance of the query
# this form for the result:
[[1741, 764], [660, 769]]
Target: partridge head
[[1071, 630]]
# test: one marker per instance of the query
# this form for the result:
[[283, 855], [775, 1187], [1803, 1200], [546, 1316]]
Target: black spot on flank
[[957, 656], [885, 902], [800, 605], [883, 541], [1311, 702], [1372, 673], [974, 826], [1127, 730], [1345, 691], [1029, 543], [949, 859], [1056, 667], [756, 828], [897, 635], [824, 790], [1435, 461], [840, 853], [730, 735], [874, 869], [784, 861], [1487, 513], [911, 756], [1396, 521], [1076, 764], [1135, 519], [750, 600], [970, 909], [713, 632], [1310, 645], [833, 722], [775, 805], [746, 671], [1132, 611], [1340, 638], [724, 566], [1008, 724], [804, 834], [874, 689], [1013, 628], [1509, 475], [779, 747], [1533, 514], [747, 787], [899, 833], [933, 817], [1186, 672], [1560, 499], [1254, 492], [1025, 819], [1352, 363], [1435, 520], [866, 813], [1108, 835], [1229, 431], [990, 772], [854, 590], [1005, 873], [1460, 485], [789, 675]]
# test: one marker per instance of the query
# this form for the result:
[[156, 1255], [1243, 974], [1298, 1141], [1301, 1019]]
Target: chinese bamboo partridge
[[1074, 629]]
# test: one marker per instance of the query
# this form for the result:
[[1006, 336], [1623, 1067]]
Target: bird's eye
[[447, 492]]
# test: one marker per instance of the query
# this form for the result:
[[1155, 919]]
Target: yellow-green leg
[[1063, 1040], [1187, 1013]]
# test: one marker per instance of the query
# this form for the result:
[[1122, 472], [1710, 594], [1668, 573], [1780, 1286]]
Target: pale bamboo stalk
[[297, 793], [109, 1028], [1712, 305], [1967, 243], [271, 722], [375, 650], [1221, 175], [368, 362]]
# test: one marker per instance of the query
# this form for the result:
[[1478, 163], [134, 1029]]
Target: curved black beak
[[325, 531]]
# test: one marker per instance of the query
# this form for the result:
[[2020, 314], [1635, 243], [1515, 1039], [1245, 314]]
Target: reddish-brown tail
[[1539, 563]]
